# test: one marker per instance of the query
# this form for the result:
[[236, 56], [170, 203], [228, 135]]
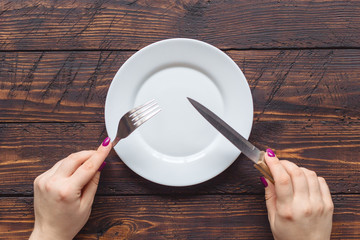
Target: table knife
[[252, 152]]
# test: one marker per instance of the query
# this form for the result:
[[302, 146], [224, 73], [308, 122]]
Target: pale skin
[[64, 194], [299, 204]]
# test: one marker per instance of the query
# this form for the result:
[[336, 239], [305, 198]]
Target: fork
[[135, 118]]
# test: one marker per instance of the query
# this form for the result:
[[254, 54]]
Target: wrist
[[40, 234]]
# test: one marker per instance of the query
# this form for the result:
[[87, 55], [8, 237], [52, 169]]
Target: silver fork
[[135, 118]]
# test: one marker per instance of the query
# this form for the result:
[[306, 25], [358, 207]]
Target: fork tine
[[140, 112], [134, 110], [143, 112], [134, 118], [147, 116]]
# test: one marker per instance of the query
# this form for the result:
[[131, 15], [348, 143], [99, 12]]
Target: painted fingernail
[[263, 181], [270, 152], [102, 166], [106, 142]]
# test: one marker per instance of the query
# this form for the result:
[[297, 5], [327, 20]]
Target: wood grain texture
[[83, 24], [57, 61], [44, 86], [176, 217], [297, 85], [331, 149], [306, 108]]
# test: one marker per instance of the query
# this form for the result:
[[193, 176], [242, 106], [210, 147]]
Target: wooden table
[[58, 58]]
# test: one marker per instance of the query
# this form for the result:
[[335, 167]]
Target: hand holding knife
[[252, 152]]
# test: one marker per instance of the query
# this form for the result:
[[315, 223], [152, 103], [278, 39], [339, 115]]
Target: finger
[[88, 169], [270, 198], [314, 185], [55, 167], [89, 191], [326, 195], [73, 162], [298, 179], [283, 186], [45, 176], [51, 171]]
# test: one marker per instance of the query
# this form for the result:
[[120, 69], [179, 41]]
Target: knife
[[252, 152]]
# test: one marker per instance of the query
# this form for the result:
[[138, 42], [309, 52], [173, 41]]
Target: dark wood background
[[58, 58]]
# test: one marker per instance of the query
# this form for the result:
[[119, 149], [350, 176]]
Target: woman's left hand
[[64, 194]]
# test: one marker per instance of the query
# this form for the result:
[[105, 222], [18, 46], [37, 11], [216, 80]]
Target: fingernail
[[106, 142], [264, 182], [102, 166], [270, 152]]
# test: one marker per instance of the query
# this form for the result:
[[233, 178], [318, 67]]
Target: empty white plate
[[178, 147]]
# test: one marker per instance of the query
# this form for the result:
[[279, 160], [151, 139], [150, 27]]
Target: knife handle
[[263, 168]]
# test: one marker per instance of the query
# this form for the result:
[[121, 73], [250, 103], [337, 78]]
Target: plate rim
[[133, 58]]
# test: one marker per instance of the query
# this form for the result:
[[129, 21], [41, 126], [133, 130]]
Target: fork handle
[[116, 140], [263, 167]]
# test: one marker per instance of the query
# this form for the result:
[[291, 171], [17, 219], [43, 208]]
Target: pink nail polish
[[270, 152], [263, 181], [102, 166], [106, 142]]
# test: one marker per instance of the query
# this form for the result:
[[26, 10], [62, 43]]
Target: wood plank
[[302, 84], [56, 86], [83, 24], [176, 217], [329, 148], [288, 85]]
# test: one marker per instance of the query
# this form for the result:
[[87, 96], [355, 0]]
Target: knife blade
[[252, 152]]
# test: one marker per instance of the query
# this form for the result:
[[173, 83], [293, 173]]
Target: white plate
[[178, 147]]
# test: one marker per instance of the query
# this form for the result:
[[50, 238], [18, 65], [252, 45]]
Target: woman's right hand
[[299, 204]]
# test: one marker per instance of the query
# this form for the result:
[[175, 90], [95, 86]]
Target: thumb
[[270, 197]]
